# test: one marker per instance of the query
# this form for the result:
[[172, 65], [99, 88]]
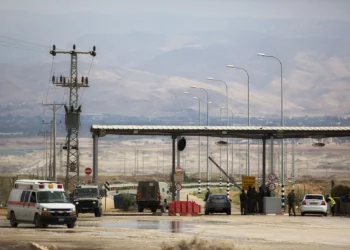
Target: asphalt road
[[147, 231]]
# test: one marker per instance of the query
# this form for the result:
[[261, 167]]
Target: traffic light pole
[[72, 119]]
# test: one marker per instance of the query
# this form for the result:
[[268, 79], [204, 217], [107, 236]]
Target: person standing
[[243, 200], [332, 203], [291, 202]]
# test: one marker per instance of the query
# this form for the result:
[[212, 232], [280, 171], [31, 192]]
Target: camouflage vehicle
[[87, 199]]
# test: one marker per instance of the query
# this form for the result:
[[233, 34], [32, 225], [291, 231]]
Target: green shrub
[[128, 201]]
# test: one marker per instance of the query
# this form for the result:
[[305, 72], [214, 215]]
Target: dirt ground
[[132, 231]]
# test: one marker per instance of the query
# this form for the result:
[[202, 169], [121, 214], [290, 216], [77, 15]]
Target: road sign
[[88, 171], [178, 177], [178, 186], [106, 185], [272, 176], [178, 170], [271, 186], [248, 181]]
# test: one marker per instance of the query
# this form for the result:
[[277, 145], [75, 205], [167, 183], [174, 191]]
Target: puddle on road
[[166, 226]]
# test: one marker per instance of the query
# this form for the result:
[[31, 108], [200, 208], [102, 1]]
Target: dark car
[[218, 203]]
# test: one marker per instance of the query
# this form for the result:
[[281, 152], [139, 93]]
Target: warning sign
[[178, 177], [248, 181]]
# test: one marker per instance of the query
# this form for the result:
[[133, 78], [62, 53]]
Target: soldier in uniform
[[243, 200]]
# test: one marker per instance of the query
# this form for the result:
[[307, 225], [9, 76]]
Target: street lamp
[[199, 140], [218, 80], [282, 123], [248, 143], [195, 87], [221, 108]]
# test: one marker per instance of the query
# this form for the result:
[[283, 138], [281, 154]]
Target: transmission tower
[[72, 118]]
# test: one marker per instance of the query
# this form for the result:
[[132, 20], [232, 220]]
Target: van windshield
[[86, 192], [53, 197]]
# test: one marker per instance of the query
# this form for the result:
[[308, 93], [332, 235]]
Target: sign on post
[[248, 181], [178, 174], [272, 177], [178, 186], [88, 171]]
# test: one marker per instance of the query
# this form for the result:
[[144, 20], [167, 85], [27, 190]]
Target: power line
[[21, 41], [82, 93], [16, 47]]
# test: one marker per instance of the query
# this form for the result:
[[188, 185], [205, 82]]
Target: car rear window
[[313, 197], [217, 197]]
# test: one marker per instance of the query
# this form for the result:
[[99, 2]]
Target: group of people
[[252, 201]]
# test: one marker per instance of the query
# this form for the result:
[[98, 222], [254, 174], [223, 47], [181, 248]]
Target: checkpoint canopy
[[247, 132], [252, 132]]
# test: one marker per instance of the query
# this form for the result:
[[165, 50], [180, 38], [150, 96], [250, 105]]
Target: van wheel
[[325, 214], [140, 209], [206, 212], [37, 221], [153, 209], [71, 225], [13, 220], [302, 214], [45, 225], [98, 212]]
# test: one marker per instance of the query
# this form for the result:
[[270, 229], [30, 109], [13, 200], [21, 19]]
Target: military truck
[[87, 199], [153, 195]]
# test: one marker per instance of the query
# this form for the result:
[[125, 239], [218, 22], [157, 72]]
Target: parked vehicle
[[153, 195], [218, 203], [87, 199], [313, 204], [40, 202]]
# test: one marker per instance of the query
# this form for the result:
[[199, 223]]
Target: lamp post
[[282, 123], [195, 87], [221, 108], [199, 140], [218, 80], [248, 142]]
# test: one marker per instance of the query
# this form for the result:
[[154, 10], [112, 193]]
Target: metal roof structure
[[252, 132]]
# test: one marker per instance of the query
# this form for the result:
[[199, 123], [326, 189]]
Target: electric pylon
[[72, 118]]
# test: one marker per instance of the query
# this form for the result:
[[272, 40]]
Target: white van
[[40, 202]]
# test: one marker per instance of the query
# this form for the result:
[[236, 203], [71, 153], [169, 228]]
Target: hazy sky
[[337, 9]]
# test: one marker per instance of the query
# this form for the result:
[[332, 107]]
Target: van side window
[[22, 196], [26, 198], [33, 198]]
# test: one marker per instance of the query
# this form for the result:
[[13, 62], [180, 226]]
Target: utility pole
[[72, 119], [50, 163], [45, 134], [53, 166]]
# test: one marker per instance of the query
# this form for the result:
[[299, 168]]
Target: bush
[[128, 201], [198, 244]]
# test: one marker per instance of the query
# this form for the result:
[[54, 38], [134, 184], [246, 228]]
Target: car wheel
[[37, 221], [45, 225], [153, 209], [140, 209], [325, 214], [71, 225], [302, 214], [228, 212], [206, 212], [13, 220], [98, 212]]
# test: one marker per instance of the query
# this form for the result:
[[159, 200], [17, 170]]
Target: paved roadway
[[149, 231]]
